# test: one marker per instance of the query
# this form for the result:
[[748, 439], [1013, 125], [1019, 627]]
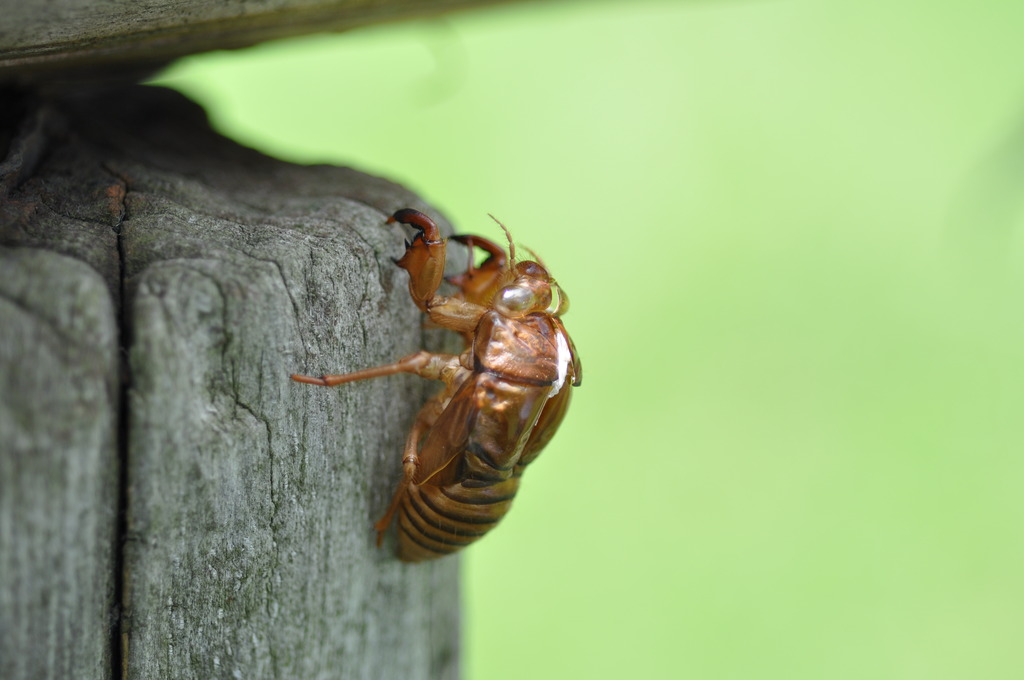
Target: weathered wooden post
[[171, 504]]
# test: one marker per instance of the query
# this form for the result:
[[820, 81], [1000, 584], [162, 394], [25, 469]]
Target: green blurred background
[[791, 232]]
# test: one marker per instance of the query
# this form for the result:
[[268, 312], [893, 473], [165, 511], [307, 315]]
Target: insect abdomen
[[438, 520]]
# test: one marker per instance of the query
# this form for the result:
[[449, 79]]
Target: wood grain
[[248, 500], [58, 467]]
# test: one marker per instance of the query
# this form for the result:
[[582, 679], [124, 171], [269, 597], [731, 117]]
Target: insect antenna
[[511, 244]]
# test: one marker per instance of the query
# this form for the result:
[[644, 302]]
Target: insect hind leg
[[410, 461]]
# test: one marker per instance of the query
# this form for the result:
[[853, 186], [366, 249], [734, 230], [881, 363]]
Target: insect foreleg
[[424, 256], [424, 259], [455, 314]]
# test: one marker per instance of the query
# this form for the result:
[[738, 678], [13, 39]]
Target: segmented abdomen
[[437, 520], [488, 422]]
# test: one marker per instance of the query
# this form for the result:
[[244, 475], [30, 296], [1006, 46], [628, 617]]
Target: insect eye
[[514, 300], [523, 297]]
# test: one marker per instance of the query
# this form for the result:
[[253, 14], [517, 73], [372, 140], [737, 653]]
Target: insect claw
[[422, 223], [424, 255]]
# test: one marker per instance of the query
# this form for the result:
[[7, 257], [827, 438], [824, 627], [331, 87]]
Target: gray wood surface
[[60, 34], [246, 500], [58, 467]]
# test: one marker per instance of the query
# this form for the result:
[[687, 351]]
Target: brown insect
[[503, 397]]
